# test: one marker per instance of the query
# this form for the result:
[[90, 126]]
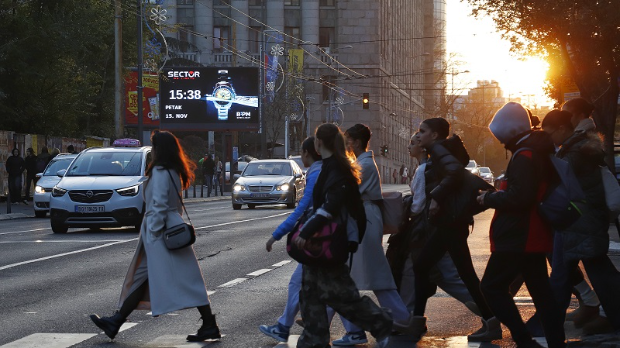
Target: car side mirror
[[299, 175], [61, 173], [39, 175]]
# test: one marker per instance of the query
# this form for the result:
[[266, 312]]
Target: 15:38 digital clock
[[181, 94]]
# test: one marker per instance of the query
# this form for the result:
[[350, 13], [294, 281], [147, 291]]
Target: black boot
[[209, 329], [109, 325]]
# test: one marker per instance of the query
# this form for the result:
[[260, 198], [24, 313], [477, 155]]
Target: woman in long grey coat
[[159, 279], [370, 269]]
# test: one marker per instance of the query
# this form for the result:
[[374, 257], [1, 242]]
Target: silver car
[[269, 182], [47, 180]]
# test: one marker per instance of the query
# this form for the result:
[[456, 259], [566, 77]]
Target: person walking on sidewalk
[[208, 170], [587, 240], [519, 237], [15, 166], [311, 160], [159, 279], [31, 171], [370, 269], [336, 187], [218, 176]]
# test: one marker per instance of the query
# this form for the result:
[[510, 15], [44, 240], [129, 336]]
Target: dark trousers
[[15, 188], [452, 239], [501, 271], [334, 287], [30, 179], [209, 182], [217, 183], [603, 275]]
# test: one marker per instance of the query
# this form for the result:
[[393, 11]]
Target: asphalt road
[[50, 284]]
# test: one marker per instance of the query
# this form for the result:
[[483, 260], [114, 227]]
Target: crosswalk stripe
[[233, 282], [259, 272], [49, 340], [177, 341], [292, 342], [281, 263], [127, 326]]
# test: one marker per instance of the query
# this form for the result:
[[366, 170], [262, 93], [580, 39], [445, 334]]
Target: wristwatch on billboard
[[224, 91]]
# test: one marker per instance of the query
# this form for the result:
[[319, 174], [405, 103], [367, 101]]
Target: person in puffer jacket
[[587, 239], [519, 237]]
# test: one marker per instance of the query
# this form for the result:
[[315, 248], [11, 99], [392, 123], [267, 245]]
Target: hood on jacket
[[537, 140], [586, 125], [592, 144], [509, 122]]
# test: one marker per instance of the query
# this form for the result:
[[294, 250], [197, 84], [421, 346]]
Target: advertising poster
[[209, 98], [150, 100]]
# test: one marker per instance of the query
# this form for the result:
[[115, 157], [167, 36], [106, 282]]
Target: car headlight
[[283, 187], [58, 192], [238, 188], [39, 189], [129, 191]]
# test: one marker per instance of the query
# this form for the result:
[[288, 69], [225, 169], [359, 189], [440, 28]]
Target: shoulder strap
[[180, 197]]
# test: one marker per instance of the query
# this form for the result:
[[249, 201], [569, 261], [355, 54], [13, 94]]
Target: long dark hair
[[168, 153], [308, 146], [333, 139], [557, 118], [360, 132], [438, 125]]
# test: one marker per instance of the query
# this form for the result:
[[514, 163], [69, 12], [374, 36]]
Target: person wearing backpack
[[444, 175], [519, 236], [587, 240], [335, 188]]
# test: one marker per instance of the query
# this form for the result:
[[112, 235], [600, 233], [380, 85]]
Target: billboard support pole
[[261, 96], [139, 83]]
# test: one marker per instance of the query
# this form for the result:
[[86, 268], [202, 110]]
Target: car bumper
[[118, 211], [261, 198], [41, 201]]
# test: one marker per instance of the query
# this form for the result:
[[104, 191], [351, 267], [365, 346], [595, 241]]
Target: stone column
[[241, 33], [203, 24], [275, 14], [310, 23]]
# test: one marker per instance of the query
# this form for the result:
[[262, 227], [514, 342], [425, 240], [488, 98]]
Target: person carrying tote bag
[[159, 279]]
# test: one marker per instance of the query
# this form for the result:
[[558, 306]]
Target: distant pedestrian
[[43, 159], [395, 176], [336, 186], [520, 238], [160, 279], [208, 171], [405, 175], [15, 166], [31, 171], [55, 152], [217, 178], [71, 149]]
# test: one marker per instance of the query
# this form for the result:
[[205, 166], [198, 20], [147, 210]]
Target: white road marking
[[178, 341], [197, 210], [281, 263], [63, 241], [259, 272], [49, 340], [292, 342], [127, 326], [233, 282], [209, 293], [125, 241], [15, 232]]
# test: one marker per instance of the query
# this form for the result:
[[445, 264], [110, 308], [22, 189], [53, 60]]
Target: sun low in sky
[[487, 57]]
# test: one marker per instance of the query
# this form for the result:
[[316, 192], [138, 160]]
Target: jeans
[[30, 179], [15, 188], [452, 239], [501, 271], [292, 301], [209, 182]]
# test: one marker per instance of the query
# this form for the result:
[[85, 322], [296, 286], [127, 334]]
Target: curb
[[14, 216]]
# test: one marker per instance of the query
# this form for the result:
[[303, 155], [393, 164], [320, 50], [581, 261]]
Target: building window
[[185, 2], [255, 3], [291, 2], [221, 2], [327, 3], [254, 39], [326, 36], [292, 32], [220, 39], [186, 36], [185, 15]]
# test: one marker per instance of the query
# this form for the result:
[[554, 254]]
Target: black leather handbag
[[181, 235]]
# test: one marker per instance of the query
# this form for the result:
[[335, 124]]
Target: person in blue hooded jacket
[[311, 159]]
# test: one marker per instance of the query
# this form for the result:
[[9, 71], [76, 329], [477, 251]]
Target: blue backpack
[[561, 202]]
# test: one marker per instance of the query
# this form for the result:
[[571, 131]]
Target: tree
[[584, 33]]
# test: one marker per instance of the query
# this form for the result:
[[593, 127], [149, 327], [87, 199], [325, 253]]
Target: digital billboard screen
[[209, 98]]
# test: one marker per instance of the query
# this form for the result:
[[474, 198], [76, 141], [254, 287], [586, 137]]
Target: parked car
[[269, 182], [46, 181], [472, 166], [486, 174], [101, 188]]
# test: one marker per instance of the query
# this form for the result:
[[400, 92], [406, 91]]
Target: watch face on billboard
[[209, 98]]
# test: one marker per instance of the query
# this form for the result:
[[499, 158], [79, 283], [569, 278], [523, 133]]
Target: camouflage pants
[[334, 287]]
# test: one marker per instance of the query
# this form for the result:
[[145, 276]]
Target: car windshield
[[471, 164], [56, 165], [485, 170], [299, 162], [119, 163], [271, 168]]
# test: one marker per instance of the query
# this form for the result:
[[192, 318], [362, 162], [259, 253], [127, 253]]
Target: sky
[[487, 57]]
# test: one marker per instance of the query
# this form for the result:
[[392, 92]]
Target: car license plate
[[89, 208], [259, 195]]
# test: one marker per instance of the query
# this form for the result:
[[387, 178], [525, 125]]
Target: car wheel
[[236, 206], [293, 199], [251, 206], [59, 228], [40, 213]]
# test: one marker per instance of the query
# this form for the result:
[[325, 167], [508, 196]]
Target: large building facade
[[378, 47]]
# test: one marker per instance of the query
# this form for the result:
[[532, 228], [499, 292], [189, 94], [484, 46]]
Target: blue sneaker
[[278, 331], [351, 339]]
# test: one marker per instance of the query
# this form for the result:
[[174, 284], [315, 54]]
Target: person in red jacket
[[519, 237]]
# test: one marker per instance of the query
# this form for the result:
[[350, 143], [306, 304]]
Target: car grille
[[258, 188], [90, 196]]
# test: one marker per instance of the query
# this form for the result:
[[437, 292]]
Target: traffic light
[[365, 100], [384, 150]]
